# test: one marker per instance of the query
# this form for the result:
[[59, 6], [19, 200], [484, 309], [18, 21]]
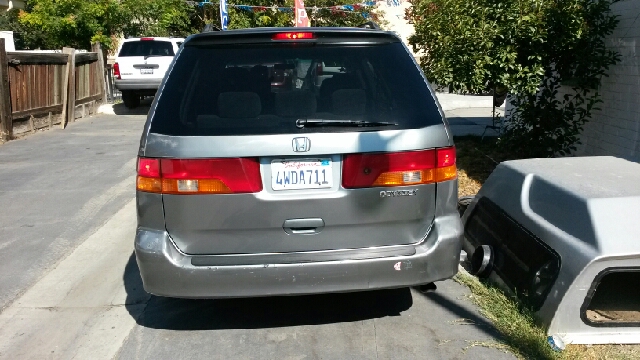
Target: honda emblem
[[301, 144]]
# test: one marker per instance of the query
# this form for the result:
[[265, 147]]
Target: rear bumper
[[166, 271], [138, 84]]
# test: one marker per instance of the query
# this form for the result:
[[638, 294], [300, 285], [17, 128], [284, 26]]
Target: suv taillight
[[116, 70], [398, 168], [199, 176]]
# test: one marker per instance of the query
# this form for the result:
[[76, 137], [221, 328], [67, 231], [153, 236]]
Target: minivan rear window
[[263, 89], [147, 48]]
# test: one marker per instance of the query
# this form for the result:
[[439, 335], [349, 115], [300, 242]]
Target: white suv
[[141, 64]]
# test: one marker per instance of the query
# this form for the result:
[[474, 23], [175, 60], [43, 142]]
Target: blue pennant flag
[[224, 15]]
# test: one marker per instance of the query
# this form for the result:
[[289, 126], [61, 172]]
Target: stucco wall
[[615, 130]]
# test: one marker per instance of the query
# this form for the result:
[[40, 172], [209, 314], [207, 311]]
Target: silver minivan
[[263, 171]]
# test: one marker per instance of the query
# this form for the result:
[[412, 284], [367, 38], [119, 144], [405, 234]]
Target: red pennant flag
[[301, 14]]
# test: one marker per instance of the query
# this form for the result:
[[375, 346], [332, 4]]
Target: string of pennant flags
[[253, 8], [301, 18]]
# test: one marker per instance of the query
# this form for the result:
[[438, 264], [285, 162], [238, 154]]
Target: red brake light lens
[[116, 70], [149, 167], [446, 157], [237, 175], [199, 176], [146, 39], [293, 36], [398, 169]]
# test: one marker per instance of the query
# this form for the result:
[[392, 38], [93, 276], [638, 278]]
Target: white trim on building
[[10, 4]]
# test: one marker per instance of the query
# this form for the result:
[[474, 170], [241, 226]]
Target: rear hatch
[[341, 159], [147, 58]]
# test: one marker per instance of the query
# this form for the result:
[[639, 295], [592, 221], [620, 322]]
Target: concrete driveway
[[70, 287]]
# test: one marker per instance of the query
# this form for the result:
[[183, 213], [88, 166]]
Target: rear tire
[[427, 288], [463, 203], [131, 99]]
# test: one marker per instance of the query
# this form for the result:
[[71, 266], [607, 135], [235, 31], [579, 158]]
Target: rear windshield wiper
[[148, 56], [301, 123]]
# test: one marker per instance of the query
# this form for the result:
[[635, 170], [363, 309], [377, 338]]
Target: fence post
[[69, 87], [97, 47], [6, 120]]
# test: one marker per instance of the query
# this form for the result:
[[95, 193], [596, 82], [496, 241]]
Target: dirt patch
[[617, 299], [467, 185], [476, 160]]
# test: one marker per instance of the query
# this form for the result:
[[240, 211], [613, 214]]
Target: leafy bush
[[527, 48]]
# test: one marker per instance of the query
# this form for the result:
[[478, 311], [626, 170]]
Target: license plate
[[301, 174], [146, 71]]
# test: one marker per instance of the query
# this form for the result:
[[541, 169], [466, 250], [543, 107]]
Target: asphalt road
[[70, 287]]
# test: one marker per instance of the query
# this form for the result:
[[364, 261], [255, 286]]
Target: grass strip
[[514, 322]]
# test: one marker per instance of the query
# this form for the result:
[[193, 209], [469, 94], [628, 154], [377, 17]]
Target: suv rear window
[[264, 89], [147, 48]]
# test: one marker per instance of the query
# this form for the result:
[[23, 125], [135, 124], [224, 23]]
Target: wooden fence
[[40, 90]]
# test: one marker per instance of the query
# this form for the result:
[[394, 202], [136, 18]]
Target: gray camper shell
[[565, 235]]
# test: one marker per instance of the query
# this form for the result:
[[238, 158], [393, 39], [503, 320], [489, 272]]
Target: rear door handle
[[308, 226]]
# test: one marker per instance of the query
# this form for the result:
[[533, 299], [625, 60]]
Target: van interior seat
[[297, 103], [261, 84], [349, 102], [331, 85], [239, 104]]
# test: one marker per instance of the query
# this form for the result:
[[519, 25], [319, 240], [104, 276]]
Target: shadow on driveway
[[143, 109], [466, 316], [253, 313]]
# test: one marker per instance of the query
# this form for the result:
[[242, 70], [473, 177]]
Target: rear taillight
[[199, 176], [146, 39], [399, 168], [446, 164], [149, 175], [116, 70]]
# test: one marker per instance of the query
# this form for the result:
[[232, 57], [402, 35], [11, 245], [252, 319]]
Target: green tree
[[25, 37], [158, 18], [529, 48], [77, 23], [74, 23]]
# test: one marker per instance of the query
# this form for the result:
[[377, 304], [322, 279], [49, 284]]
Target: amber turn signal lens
[[149, 184], [446, 173], [200, 186], [399, 178]]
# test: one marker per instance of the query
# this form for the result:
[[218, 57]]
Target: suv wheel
[[131, 99]]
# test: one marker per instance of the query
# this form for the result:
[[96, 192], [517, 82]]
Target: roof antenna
[[210, 28]]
